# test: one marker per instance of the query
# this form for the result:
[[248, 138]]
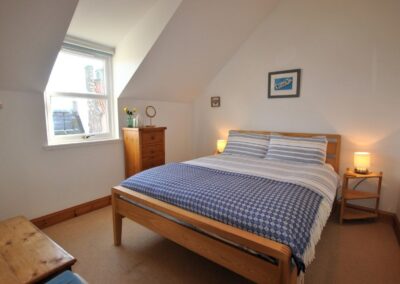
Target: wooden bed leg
[[288, 273], [117, 221]]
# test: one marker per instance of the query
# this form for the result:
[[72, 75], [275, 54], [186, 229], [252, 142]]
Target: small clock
[[150, 113]]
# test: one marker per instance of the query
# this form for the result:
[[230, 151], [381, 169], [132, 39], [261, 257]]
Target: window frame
[[108, 96]]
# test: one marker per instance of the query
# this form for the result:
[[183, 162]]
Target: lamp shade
[[221, 143], [362, 162]]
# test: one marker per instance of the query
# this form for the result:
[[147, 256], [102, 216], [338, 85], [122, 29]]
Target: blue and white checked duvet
[[285, 202]]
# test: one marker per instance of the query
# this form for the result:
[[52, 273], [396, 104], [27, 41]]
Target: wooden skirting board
[[69, 213]]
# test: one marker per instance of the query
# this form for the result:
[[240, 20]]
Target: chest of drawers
[[144, 148]]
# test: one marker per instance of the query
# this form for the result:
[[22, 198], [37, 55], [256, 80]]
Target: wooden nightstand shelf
[[348, 213]]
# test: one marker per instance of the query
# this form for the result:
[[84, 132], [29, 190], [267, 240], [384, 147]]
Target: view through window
[[78, 96]]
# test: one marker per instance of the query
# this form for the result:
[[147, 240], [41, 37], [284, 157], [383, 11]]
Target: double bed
[[259, 217]]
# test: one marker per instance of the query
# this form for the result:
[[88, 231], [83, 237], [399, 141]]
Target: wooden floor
[[364, 252]]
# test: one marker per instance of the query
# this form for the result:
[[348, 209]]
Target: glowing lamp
[[221, 143], [361, 162]]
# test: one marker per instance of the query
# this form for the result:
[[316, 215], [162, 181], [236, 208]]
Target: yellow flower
[[125, 109], [134, 109]]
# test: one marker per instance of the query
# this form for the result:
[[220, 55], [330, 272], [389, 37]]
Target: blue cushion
[[67, 277]]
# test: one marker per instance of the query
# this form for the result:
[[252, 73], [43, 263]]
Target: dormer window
[[79, 99]]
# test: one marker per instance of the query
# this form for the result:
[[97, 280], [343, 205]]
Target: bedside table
[[347, 213]]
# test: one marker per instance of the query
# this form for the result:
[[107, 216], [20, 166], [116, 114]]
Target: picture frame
[[215, 101], [284, 84]]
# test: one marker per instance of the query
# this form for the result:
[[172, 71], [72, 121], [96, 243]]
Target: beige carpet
[[364, 252]]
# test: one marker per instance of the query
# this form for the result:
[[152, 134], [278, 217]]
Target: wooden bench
[[27, 255]]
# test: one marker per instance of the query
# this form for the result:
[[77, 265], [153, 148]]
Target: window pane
[[79, 116], [76, 73]]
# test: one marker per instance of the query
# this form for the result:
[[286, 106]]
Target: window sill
[[80, 144]]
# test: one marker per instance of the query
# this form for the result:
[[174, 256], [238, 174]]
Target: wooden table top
[[27, 255]]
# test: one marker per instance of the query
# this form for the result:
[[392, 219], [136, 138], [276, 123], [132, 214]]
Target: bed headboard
[[333, 148]]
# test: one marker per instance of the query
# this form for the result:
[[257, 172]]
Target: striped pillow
[[246, 144], [310, 150]]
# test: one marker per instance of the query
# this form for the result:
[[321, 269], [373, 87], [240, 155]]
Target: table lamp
[[221, 143], [361, 162]]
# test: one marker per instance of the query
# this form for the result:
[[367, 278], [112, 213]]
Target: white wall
[[177, 117], [349, 52], [35, 181]]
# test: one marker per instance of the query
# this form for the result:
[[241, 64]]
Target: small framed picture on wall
[[284, 84], [215, 101]]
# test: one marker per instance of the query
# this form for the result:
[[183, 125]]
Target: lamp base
[[361, 171]]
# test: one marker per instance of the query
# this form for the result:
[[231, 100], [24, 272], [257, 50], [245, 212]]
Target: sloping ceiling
[[107, 22], [134, 47], [194, 46], [31, 34]]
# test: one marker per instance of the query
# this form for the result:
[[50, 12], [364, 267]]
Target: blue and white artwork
[[284, 84]]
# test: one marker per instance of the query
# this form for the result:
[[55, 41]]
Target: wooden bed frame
[[221, 252]]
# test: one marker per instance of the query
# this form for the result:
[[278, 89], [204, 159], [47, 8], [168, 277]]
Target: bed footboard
[[225, 254]]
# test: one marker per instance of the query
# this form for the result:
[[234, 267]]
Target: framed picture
[[284, 84], [215, 101]]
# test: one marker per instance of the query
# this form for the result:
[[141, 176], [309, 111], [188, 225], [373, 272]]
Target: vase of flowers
[[131, 120]]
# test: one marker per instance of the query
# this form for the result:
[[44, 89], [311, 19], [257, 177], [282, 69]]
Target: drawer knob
[[152, 137]]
